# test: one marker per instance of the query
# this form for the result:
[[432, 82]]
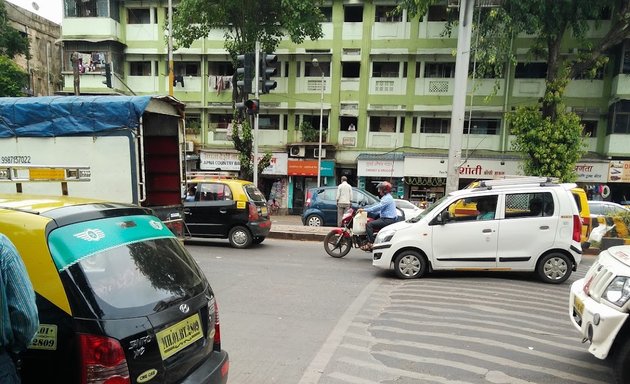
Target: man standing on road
[[344, 198], [387, 213], [18, 311]]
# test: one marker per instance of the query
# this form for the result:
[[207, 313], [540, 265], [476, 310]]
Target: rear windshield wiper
[[163, 304]]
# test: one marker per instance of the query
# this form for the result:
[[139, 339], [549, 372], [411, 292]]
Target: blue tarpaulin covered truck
[[131, 148]]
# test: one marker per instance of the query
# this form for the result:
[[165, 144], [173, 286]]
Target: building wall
[[398, 95], [44, 67]]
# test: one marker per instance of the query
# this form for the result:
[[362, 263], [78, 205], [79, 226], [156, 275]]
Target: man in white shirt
[[344, 198]]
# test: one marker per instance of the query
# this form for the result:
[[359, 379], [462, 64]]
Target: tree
[[12, 78], [244, 23], [244, 143], [548, 22]]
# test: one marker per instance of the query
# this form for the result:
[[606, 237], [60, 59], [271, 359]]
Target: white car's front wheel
[[410, 264]]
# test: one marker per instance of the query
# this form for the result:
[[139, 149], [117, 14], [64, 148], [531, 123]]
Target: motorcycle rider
[[387, 213]]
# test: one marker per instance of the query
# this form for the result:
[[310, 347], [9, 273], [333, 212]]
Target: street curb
[[296, 236]]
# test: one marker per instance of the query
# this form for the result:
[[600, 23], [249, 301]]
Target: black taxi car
[[120, 300], [228, 208]]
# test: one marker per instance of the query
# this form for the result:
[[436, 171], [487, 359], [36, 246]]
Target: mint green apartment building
[[382, 91]]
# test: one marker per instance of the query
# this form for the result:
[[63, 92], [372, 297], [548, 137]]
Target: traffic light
[[252, 106], [267, 70], [108, 75], [245, 71]]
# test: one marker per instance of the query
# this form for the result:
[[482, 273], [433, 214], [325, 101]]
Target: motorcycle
[[339, 241]]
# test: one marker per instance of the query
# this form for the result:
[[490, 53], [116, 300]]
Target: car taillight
[[102, 360], [213, 312], [253, 212], [577, 228], [587, 286]]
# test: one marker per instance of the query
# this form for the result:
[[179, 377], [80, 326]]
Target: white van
[[523, 224]]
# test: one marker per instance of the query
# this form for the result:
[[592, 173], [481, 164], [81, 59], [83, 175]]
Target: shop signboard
[[309, 168], [591, 172], [471, 169], [380, 168], [219, 161], [278, 164], [619, 171]]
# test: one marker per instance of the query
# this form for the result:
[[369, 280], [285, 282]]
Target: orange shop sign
[[302, 168]]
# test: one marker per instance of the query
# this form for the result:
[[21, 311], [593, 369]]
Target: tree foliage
[[12, 43], [12, 78], [245, 22]]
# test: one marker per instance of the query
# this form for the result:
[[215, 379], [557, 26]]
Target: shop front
[[302, 176], [618, 175]]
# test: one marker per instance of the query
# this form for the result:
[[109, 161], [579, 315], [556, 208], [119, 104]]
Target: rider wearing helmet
[[387, 213]]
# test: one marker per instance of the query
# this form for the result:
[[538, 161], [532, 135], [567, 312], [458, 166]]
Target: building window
[[482, 126], [218, 121], [383, 124], [437, 13], [312, 71], [590, 128], [385, 13], [435, 125], [530, 71], [620, 121], [269, 122], [139, 68], [385, 69], [439, 70], [91, 8], [352, 14], [186, 68], [351, 69], [327, 12], [138, 16], [220, 68], [348, 123]]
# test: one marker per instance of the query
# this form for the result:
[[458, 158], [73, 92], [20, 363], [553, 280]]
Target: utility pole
[[459, 94], [75, 71], [171, 76], [256, 91]]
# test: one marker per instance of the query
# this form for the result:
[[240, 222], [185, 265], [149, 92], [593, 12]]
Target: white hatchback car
[[409, 209], [524, 224]]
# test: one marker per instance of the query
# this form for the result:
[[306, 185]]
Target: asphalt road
[[291, 314]]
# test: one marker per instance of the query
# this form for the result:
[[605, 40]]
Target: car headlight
[[384, 236], [618, 292]]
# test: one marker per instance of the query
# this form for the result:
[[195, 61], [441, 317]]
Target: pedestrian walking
[[344, 198], [18, 316]]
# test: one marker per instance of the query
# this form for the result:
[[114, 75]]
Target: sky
[[50, 9]]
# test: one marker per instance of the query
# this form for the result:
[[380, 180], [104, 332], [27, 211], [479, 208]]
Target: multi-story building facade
[[44, 65], [382, 88]]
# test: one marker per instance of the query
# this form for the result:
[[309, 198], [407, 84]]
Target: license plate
[[178, 336], [263, 210], [578, 305]]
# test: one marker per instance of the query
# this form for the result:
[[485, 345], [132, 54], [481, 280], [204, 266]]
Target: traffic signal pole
[[256, 91]]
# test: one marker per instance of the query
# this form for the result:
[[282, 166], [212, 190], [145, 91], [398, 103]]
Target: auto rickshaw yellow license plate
[[178, 336], [579, 306]]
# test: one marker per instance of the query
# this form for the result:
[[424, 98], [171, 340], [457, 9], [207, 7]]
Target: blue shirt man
[[387, 213], [18, 312]]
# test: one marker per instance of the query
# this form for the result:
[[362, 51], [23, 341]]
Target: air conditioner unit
[[297, 151], [190, 146], [316, 153]]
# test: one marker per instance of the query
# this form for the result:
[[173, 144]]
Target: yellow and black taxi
[[227, 208], [120, 300]]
